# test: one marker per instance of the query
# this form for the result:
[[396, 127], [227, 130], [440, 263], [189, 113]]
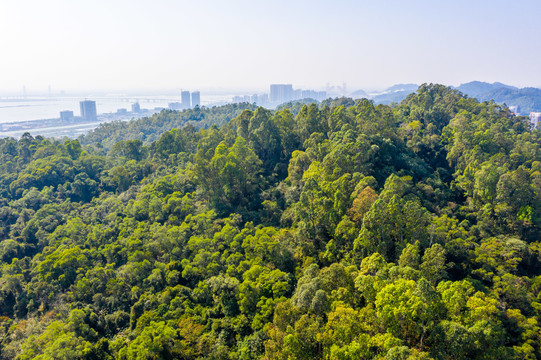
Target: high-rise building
[[535, 118], [185, 98], [88, 110], [66, 116], [312, 94], [281, 93], [135, 108], [515, 110], [308, 94], [263, 99], [196, 99]]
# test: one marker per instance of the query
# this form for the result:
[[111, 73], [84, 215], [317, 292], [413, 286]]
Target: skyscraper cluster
[[89, 113], [187, 101], [279, 94], [282, 93]]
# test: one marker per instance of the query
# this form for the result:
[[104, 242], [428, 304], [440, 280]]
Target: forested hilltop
[[346, 231], [149, 129]]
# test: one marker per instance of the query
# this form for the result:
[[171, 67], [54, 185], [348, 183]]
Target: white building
[[515, 110], [281, 93], [66, 116], [535, 118], [88, 110], [196, 99], [185, 98]]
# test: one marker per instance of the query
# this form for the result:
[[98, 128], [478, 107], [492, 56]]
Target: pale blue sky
[[123, 45]]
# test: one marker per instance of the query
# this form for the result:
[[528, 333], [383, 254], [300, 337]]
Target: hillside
[[479, 88], [346, 231], [149, 129], [527, 99]]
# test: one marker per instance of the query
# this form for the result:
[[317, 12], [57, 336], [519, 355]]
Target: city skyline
[[368, 44]]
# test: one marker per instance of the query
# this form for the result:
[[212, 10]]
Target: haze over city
[[247, 45]]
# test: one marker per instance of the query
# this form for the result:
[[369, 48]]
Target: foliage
[[340, 231]]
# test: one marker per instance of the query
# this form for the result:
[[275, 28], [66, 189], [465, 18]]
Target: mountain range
[[527, 99]]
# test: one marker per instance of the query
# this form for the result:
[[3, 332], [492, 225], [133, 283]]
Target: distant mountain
[[527, 99], [359, 94], [395, 93], [477, 88], [403, 87]]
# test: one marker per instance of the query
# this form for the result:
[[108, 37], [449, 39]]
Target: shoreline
[[55, 127]]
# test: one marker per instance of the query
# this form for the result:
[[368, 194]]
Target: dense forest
[[342, 230]]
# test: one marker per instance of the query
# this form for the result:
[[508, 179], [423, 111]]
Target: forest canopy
[[343, 230]]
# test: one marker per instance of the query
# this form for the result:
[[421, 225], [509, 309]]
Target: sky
[[215, 45]]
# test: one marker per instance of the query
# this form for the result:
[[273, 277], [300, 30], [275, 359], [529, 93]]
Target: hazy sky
[[122, 45]]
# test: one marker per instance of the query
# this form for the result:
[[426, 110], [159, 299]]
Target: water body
[[70, 131], [17, 110]]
